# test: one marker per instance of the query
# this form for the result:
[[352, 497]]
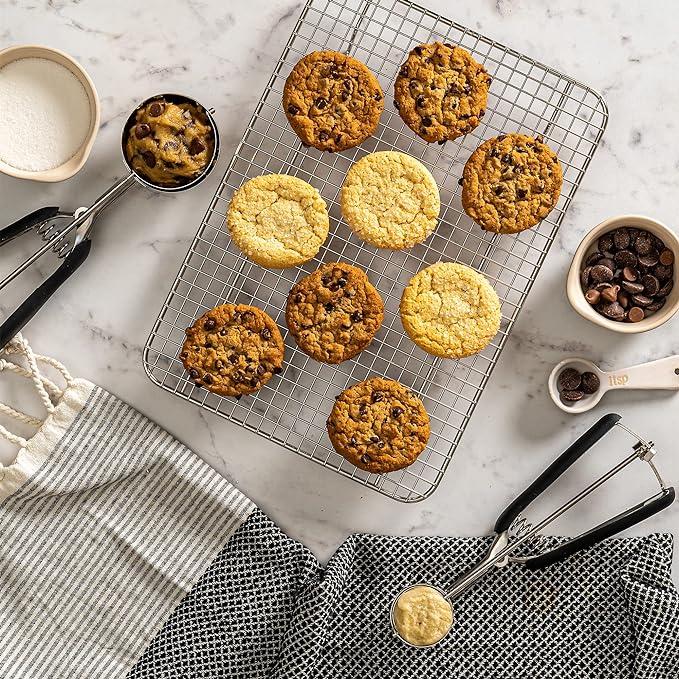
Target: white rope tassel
[[46, 389]]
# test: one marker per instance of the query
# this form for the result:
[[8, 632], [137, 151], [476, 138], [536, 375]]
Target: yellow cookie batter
[[422, 616], [169, 144]]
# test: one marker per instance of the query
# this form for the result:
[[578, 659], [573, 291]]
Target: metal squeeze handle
[[42, 293], [566, 460], [618, 523], [27, 222]]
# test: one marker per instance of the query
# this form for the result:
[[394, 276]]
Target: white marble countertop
[[223, 54]]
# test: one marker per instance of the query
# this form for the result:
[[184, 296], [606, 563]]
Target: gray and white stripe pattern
[[101, 543]]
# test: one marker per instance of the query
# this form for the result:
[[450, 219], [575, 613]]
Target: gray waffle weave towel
[[122, 554]]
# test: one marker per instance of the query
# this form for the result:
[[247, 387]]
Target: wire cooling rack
[[525, 96]]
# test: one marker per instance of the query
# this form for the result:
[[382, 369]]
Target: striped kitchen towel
[[123, 555]]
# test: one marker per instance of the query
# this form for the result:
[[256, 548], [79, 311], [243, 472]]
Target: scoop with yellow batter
[[169, 144]]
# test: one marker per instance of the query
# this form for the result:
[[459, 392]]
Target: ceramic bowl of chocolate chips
[[623, 276]]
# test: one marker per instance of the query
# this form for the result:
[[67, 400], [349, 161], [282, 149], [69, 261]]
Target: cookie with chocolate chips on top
[[441, 92], [334, 313], [510, 183], [332, 101], [233, 350], [378, 425]]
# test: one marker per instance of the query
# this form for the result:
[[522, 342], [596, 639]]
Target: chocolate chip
[[395, 412], [572, 396], [605, 243], [194, 373], [593, 297], [261, 369], [342, 282], [656, 306], [196, 146], [149, 159], [207, 378], [277, 370], [584, 276], [623, 299], [632, 287], [418, 50], [356, 316], [569, 379], [497, 190], [321, 102], [293, 110], [590, 383], [621, 239], [420, 101], [233, 359], [613, 311], [651, 285], [507, 158], [427, 121], [482, 113], [642, 300], [299, 298], [353, 441], [650, 259], [253, 382], [636, 314], [366, 459], [601, 274], [643, 243], [363, 409], [521, 193], [663, 272], [404, 71], [630, 274], [396, 106], [329, 307], [611, 294], [326, 280], [345, 95], [377, 396], [377, 96], [156, 108], [666, 257], [607, 261], [323, 135], [593, 259], [380, 444], [625, 258], [374, 439], [265, 334], [210, 324], [666, 289], [142, 130]]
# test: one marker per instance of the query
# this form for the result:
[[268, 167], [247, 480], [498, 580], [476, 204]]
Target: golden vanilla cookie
[[334, 313], [233, 350], [450, 310], [332, 101], [378, 425], [441, 91], [278, 220], [390, 200], [510, 183]]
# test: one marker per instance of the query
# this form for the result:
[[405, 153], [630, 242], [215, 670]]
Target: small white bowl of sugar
[[50, 114]]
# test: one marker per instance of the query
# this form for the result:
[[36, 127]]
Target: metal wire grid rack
[[525, 96]]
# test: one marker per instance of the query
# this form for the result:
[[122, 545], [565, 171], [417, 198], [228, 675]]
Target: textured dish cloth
[[122, 554]]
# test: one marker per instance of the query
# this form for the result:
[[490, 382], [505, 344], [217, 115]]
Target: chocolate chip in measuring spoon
[[569, 379], [572, 396], [590, 382]]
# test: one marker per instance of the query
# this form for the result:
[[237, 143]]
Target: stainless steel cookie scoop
[[422, 622], [660, 374]]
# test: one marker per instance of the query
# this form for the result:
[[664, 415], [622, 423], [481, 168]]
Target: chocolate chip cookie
[[441, 92], [391, 200], [334, 313], [510, 183], [332, 101], [379, 425], [450, 310], [278, 220], [233, 350]]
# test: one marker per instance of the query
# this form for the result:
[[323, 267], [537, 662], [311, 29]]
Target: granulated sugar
[[44, 114]]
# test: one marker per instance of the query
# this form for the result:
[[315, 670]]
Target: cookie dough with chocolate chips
[[332, 101], [510, 183], [233, 350], [378, 425], [441, 92], [334, 313], [169, 144]]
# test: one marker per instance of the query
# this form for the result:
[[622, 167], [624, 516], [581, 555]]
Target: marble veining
[[223, 54]]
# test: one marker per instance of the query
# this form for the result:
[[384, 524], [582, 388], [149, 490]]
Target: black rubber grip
[[35, 300], [556, 469], [618, 523], [28, 222]]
